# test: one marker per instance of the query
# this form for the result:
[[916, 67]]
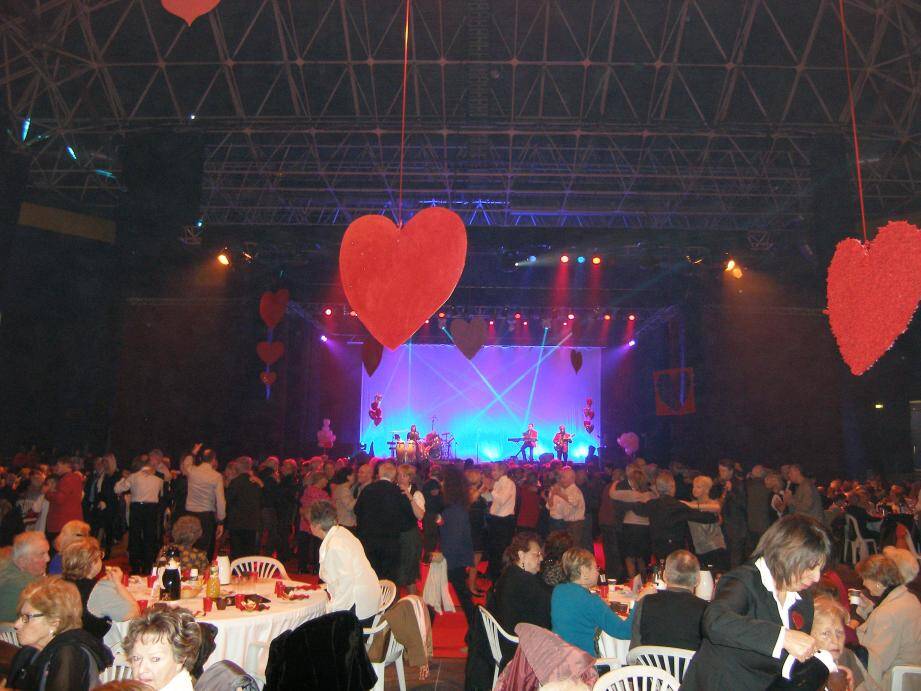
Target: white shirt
[[569, 507], [503, 498], [783, 609], [181, 682], [205, 491], [348, 575], [143, 485]]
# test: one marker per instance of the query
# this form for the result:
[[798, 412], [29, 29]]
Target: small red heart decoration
[[189, 10], [270, 353], [873, 292], [371, 353], [272, 306], [396, 278], [575, 357], [268, 378], [470, 336]]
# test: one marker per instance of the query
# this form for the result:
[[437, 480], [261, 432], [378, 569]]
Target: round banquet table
[[237, 629], [608, 646]]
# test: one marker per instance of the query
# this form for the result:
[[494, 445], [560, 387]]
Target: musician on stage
[[561, 442], [528, 442], [413, 434]]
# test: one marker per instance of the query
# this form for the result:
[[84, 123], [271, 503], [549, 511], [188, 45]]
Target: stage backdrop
[[484, 401]]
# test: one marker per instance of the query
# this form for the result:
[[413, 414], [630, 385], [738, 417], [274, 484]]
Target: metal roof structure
[[606, 115]]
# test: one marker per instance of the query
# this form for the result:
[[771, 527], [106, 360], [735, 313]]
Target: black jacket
[[740, 630], [323, 654], [244, 504], [72, 661], [383, 511], [518, 597], [668, 522], [670, 618]]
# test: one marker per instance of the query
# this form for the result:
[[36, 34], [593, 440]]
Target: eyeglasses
[[25, 618]]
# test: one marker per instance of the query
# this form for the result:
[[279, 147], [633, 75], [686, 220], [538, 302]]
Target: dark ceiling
[[613, 116]]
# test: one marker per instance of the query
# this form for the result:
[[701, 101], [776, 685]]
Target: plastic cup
[[151, 580], [238, 600], [221, 603], [142, 606], [206, 604], [126, 578]]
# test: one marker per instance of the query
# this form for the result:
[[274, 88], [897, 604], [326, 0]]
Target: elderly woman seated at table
[[576, 612], [829, 622], [72, 530], [162, 647], [56, 654], [186, 531], [892, 630], [104, 599]]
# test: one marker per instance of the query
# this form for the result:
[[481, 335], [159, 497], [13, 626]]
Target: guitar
[[563, 443]]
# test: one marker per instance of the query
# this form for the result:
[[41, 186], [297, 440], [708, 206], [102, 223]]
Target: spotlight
[[199, 223], [353, 313], [525, 322], [571, 316], [607, 316], [532, 259], [564, 258], [328, 311], [878, 406], [324, 338], [631, 317], [223, 258], [492, 322], [517, 315], [737, 272], [631, 343], [71, 152], [730, 265], [580, 259], [442, 315], [565, 323], [427, 321], [596, 260]]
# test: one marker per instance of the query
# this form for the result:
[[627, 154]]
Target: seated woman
[[72, 530], [761, 613], [56, 654], [576, 612], [104, 597], [186, 531], [519, 595], [161, 646], [828, 628], [892, 630], [551, 569]]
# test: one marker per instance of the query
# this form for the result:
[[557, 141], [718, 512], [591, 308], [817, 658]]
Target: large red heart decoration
[[189, 10], [371, 353], [873, 292], [470, 336], [575, 358], [272, 306], [270, 353], [396, 278], [268, 378]]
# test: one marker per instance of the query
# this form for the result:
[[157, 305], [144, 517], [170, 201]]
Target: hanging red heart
[[575, 357], [873, 292], [270, 353], [268, 378], [396, 278], [272, 306], [189, 10], [470, 336], [371, 353], [589, 426]]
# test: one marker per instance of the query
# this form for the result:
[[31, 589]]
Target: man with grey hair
[[28, 561], [382, 512], [344, 568], [672, 616]]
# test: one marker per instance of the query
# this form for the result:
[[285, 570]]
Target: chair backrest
[[493, 631], [675, 661], [636, 678], [899, 672], [115, 673], [8, 634], [388, 594], [265, 567], [852, 532]]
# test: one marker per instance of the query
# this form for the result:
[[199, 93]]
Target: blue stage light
[[73, 154], [580, 259], [532, 259], [25, 127]]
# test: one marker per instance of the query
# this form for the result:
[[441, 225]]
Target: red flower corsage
[[796, 620]]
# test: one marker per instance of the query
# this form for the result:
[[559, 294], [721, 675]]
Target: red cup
[[238, 600], [126, 578], [186, 574], [151, 580], [142, 606], [206, 604]]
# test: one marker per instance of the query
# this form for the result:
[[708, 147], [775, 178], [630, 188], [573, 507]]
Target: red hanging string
[[403, 118], [850, 100]]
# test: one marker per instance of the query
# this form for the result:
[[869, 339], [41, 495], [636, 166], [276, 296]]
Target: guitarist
[[561, 443], [528, 442]]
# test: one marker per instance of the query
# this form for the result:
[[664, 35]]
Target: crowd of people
[[771, 540]]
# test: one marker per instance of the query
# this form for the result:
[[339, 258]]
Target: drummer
[[413, 434]]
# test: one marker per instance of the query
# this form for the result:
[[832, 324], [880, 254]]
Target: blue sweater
[[576, 612]]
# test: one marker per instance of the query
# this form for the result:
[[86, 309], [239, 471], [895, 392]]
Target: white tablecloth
[[236, 630], [608, 646]]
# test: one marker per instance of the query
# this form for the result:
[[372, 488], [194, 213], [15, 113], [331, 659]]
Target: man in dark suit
[[735, 514], [671, 617], [383, 512], [759, 514]]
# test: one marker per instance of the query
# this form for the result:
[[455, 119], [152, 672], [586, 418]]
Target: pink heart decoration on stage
[[470, 336], [575, 357], [268, 378], [396, 278], [189, 10], [272, 306], [873, 292], [270, 353], [371, 353]]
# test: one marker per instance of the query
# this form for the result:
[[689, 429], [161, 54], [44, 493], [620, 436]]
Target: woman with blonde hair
[[828, 625], [56, 653], [411, 538], [70, 531], [162, 646]]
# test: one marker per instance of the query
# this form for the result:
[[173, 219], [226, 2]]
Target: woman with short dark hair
[[518, 595], [762, 611]]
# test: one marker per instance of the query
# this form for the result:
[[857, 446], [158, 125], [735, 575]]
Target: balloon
[[629, 442], [575, 358], [270, 353], [325, 436], [589, 426], [272, 306], [189, 10], [268, 378], [375, 412]]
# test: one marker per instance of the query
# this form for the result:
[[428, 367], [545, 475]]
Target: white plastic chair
[[675, 661], [493, 632], [899, 672], [8, 634], [265, 567], [859, 546], [392, 656], [388, 595], [636, 678], [115, 673]]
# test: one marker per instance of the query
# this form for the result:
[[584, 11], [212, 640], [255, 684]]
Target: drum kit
[[434, 447]]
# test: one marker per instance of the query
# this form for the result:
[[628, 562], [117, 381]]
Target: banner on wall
[[674, 391]]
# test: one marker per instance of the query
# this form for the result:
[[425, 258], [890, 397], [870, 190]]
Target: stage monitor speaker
[[162, 172]]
